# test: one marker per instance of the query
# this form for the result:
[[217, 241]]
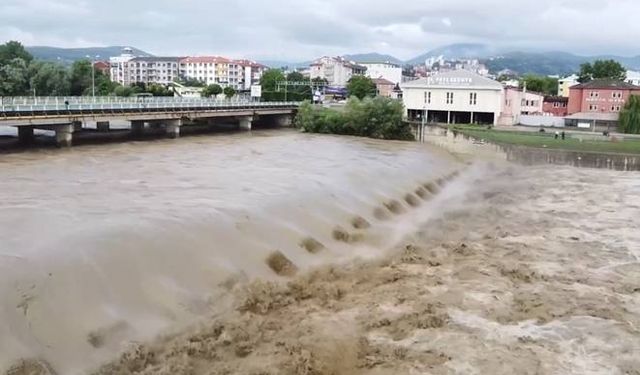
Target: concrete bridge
[[66, 115]]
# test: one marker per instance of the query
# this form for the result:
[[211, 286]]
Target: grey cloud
[[290, 29]]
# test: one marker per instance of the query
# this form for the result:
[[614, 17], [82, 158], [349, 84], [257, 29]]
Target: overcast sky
[[303, 29]]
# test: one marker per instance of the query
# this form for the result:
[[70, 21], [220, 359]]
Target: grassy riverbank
[[547, 140]]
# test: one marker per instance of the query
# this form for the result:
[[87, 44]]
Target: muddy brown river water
[[284, 253]]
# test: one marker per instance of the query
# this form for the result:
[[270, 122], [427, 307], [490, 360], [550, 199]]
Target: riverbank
[[516, 276], [573, 141]]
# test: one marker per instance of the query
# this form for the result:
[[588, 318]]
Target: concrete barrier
[[547, 121]]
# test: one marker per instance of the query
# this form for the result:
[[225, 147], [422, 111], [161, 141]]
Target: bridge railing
[[32, 105]]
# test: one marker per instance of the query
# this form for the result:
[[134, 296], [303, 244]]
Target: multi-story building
[[250, 73], [386, 70], [239, 74], [457, 96], [336, 70], [517, 102], [555, 106], [633, 77], [149, 70], [206, 69], [128, 69], [565, 83], [384, 87], [119, 67], [598, 102]]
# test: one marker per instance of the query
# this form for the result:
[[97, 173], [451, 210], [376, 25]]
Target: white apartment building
[[336, 70], [128, 69], [633, 77], [457, 96], [119, 67], [385, 70], [239, 74]]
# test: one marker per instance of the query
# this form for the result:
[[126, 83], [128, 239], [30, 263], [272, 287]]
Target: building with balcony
[[206, 69], [336, 70], [385, 70], [458, 96]]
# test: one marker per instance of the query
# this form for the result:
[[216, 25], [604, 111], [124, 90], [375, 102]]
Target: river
[[113, 243]]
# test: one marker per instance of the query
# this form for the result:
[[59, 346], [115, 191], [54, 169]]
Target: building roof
[[455, 79], [250, 63], [205, 59], [382, 81], [597, 116], [555, 99], [606, 84], [156, 59]]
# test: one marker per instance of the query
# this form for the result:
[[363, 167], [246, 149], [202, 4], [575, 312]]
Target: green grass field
[[546, 140]]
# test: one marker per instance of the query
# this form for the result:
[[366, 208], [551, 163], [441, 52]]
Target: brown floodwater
[[102, 245]]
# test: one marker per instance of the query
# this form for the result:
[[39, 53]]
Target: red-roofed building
[[384, 87], [555, 106], [598, 103], [102, 66]]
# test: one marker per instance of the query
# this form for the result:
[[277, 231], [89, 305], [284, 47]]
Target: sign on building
[[256, 91]]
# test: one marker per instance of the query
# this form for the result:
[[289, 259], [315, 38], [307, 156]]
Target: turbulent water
[[108, 244]]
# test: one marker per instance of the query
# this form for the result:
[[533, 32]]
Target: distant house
[[387, 70], [517, 102], [458, 96], [384, 87], [102, 66], [555, 106], [336, 70], [565, 83], [598, 102]]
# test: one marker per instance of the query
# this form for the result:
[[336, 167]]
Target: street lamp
[[93, 74]]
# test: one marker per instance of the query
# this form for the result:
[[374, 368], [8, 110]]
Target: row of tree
[[377, 117]]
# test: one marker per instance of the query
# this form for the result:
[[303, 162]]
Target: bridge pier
[[173, 128], [77, 126], [26, 135], [137, 128], [284, 121], [102, 126], [245, 122], [64, 135]]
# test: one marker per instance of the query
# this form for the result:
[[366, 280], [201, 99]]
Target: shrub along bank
[[370, 117]]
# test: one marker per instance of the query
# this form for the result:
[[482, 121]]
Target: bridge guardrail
[[19, 109]]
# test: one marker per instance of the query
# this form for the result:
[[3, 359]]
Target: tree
[[158, 90], [229, 92], [602, 69], [629, 121], [270, 78], [295, 77], [81, 78], [541, 84], [14, 50], [190, 82], [212, 90], [49, 79], [361, 87], [14, 78]]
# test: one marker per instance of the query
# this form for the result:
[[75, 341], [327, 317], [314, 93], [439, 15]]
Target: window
[[616, 95], [473, 98], [594, 94], [593, 107], [615, 108], [449, 98], [427, 97]]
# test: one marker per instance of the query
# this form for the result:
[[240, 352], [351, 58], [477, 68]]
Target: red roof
[[383, 81], [250, 63]]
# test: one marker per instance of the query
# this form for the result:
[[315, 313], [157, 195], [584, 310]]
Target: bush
[[630, 116], [375, 118]]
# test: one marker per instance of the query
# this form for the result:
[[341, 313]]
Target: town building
[[555, 106], [150, 70], [565, 83], [384, 87], [206, 69], [517, 102], [458, 96], [633, 77], [336, 70], [386, 70], [598, 102], [119, 67], [103, 67], [251, 73]]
